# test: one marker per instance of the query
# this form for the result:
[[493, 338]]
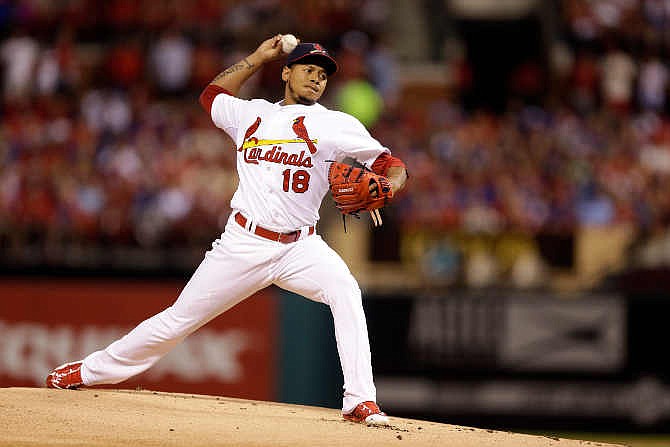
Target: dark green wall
[[309, 368]]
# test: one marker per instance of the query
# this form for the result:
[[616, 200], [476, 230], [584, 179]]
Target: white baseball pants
[[239, 264]]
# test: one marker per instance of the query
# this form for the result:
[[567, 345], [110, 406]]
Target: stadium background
[[521, 281]]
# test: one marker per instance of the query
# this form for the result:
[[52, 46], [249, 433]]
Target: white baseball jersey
[[282, 156]]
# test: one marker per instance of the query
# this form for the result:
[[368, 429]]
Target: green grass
[[629, 439]]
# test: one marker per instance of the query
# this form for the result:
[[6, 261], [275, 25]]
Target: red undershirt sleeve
[[385, 161], [208, 94]]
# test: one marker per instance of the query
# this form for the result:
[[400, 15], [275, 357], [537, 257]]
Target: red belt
[[284, 238]]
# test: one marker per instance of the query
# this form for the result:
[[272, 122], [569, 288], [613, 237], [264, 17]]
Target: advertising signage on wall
[[523, 334], [510, 357], [44, 323], [513, 334]]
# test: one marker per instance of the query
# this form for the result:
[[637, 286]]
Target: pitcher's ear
[[285, 71]]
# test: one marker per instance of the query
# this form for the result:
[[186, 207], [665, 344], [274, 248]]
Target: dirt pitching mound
[[37, 416]]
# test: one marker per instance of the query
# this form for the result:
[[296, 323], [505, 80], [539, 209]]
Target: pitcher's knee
[[344, 287]]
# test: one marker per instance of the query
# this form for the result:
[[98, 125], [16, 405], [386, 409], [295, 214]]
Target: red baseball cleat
[[66, 377], [368, 413]]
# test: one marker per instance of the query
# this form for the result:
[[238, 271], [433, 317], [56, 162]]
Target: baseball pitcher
[[289, 155]]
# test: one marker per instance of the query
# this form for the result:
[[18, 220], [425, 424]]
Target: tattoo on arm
[[237, 67]]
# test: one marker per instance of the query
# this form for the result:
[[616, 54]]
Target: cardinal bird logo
[[301, 132], [250, 131]]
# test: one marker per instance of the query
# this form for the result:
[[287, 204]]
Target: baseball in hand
[[288, 43]]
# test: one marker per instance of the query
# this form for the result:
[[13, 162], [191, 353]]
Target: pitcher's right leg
[[314, 270]]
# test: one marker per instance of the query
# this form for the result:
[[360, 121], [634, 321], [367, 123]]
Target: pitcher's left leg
[[314, 270]]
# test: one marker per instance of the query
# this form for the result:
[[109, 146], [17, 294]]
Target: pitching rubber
[[377, 420]]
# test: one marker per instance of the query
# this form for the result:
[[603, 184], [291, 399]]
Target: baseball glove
[[356, 188]]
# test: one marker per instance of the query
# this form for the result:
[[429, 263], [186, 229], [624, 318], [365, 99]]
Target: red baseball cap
[[314, 53]]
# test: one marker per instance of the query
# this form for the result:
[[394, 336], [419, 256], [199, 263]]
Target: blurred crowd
[[102, 139]]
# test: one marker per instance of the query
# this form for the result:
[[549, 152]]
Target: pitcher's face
[[305, 83]]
